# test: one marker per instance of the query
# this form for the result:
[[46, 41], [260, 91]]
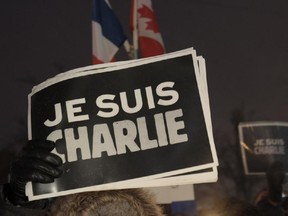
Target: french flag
[[107, 33]]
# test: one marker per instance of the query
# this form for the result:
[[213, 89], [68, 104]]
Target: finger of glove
[[47, 157], [39, 144], [33, 175], [34, 166]]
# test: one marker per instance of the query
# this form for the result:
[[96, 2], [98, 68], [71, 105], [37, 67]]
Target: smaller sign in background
[[263, 143]]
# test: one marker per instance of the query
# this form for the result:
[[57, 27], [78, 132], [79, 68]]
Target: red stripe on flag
[[96, 60], [150, 47]]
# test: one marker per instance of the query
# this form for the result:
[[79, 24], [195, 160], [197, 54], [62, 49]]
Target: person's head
[[275, 174], [132, 202], [275, 179]]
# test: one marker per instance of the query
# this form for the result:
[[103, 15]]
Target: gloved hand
[[35, 163]]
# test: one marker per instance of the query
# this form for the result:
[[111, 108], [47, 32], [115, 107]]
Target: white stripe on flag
[[105, 50]]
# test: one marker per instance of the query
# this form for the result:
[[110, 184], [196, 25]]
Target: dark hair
[[128, 202], [236, 207]]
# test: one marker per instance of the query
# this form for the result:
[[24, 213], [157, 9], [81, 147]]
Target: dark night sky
[[244, 42]]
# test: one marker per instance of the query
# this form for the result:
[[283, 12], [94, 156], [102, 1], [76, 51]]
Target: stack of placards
[[139, 123]]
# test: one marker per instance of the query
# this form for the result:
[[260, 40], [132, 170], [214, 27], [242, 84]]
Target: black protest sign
[[127, 123], [262, 144]]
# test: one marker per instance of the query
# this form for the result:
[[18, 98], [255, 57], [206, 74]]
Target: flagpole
[[135, 30], [128, 48]]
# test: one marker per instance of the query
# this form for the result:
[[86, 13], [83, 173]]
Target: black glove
[[35, 163]]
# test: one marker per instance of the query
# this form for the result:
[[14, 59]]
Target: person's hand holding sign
[[35, 163]]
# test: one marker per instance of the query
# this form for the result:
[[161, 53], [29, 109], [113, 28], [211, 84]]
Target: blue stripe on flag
[[111, 27]]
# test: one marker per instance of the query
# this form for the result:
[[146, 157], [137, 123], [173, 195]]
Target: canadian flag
[[143, 21]]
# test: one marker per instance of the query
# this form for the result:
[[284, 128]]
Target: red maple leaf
[[146, 12]]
